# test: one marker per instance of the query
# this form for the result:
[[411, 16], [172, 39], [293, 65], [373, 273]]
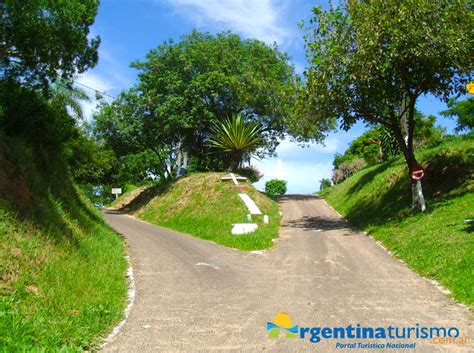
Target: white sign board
[[116, 191]]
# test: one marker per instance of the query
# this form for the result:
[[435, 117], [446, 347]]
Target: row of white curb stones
[[434, 282], [130, 299]]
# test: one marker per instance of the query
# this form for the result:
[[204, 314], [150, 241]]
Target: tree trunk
[[235, 160], [404, 135]]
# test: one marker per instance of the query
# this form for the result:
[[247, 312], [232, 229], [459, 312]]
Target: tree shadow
[[446, 176], [146, 196], [311, 223], [368, 176]]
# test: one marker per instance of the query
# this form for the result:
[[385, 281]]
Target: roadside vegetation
[[62, 269], [204, 206], [62, 284], [438, 243]]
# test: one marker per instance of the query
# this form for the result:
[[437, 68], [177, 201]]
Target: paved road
[[196, 296]]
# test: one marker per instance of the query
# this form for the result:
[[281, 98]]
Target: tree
[[41, 40], [324, 183], [68, 98], [463, 111], [184, 87], [371, 60], [236, 138], [188, 85]]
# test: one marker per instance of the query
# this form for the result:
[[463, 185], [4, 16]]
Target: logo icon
[[281, 321]]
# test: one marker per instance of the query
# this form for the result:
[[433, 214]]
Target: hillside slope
[[204, 206], [437, 243], [62, 283]]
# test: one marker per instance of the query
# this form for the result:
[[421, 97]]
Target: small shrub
[[275, 187], [250, 172]]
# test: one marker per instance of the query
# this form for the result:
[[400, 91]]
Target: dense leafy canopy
[[371, 60], [463, 111], [184, 87], [41, 40]]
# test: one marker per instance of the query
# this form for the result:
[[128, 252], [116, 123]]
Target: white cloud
[[260, 19]]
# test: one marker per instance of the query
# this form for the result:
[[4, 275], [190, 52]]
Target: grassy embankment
[[203, 206], [438, 243], [62, 284]]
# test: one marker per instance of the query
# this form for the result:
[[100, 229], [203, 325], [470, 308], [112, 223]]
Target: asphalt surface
[[196, 296]]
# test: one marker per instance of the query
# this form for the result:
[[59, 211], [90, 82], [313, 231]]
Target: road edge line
[[131, 293]]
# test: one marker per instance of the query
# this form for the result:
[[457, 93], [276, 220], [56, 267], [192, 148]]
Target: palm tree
[[69, 98], [236, 138]]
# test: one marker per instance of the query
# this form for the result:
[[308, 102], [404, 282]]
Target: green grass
[[204, 206], [437, 243], [62, 284]]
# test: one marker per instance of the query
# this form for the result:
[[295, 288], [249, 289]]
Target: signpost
[[116, 192], [417, 172]]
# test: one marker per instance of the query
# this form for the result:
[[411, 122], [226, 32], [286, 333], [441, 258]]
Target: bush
[[275, 187], [250, 172], [346, 169]]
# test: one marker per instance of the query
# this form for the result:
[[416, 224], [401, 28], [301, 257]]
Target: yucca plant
[[237, 138]]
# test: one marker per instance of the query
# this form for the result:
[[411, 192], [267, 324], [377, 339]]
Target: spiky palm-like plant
[[69, 98], [237, 138]]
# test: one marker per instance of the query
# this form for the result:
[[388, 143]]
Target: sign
[[116, 191], [417, 172]]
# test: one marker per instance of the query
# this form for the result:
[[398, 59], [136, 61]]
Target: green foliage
[[237, 138], [324, 183], [436, 243], [63, 284], [40, 40], [371, 60], [463, 111], [184, 87], [250, 172], [379, 144], [27, 114], [66, 97], [388, 144], [275, 187]]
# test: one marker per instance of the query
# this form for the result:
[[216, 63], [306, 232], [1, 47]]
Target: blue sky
[[130, 28]]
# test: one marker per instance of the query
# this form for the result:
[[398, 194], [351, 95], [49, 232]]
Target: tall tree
[[184, 87], [41, 40], [371, 60]]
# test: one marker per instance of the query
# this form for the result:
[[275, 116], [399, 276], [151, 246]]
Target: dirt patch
[[13, 184]]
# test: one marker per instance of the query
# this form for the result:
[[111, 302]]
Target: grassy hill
[[438, 243], [62, 283], [204, 206]]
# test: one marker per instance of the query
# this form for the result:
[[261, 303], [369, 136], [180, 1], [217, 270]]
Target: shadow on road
[[319, 223]]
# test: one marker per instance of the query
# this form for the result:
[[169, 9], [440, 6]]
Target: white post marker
[[116, 192], [265, 219], [249, 217]]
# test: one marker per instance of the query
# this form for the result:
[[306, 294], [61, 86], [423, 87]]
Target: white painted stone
[[265, 219], [244, 228], [252, 207]]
